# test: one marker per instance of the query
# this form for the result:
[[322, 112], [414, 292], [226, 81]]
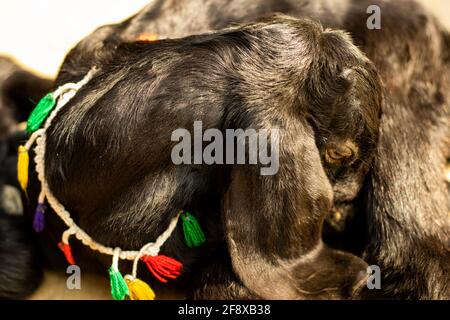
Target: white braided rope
[[65, 93]]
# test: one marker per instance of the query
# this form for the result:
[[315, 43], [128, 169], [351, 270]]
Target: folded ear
[[20, 90], [273, 225]]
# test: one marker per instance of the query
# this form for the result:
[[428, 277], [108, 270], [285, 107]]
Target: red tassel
[[163, 267], [65, 248]]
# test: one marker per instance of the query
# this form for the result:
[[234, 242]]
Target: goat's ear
[[273, 224], [20, 90]]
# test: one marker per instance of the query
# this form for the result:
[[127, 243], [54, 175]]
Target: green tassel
[[40, 113], [119, 288], [193, 233]]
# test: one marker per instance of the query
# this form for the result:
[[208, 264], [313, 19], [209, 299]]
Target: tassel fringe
[[119, 288], [39, 218], [65, 248], [40, 113], [23, 161], [163, 267], [139, 290], [193, 233]]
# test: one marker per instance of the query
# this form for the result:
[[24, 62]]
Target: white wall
[[39, 33]]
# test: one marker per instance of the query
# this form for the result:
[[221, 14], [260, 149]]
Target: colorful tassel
[[39, 219], [22, 167], [119, 288], [40, 113], [65, 248], [163, 267], [193, 233], [139, 290], [150, 37]]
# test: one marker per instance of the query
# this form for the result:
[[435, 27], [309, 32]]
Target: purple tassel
[[39, 222]]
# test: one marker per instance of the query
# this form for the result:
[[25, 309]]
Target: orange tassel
[[65, 248]]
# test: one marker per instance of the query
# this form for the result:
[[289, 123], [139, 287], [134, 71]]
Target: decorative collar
[[162, 267]]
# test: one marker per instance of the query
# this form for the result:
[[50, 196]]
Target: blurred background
[[38, 33]]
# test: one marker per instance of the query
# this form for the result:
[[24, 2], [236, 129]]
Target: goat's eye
[[339, 154]]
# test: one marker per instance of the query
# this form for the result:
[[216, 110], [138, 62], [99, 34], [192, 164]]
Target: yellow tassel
[[139, 290], [22, 167]]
